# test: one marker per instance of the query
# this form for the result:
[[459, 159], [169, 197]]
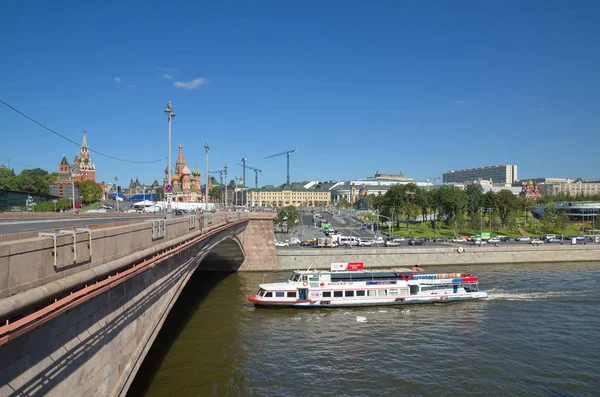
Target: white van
[[349, 240]]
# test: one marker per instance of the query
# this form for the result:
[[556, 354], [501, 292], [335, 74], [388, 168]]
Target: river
[[538, 334]]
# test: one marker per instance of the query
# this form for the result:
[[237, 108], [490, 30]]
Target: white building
[[497, 173]]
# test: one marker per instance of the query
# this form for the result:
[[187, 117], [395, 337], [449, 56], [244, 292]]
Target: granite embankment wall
[[299, 258]]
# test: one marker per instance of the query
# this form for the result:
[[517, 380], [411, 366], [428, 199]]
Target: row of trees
[[38, 181], [462, 208], [34, 180]]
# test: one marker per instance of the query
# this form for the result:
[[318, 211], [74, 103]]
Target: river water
[[538, 334]]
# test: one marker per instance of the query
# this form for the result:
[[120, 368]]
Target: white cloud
[[118, 79], [190, 85], [461, 102], [168, 76]]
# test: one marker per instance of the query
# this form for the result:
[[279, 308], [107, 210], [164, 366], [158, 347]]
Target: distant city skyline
[[354, 88]]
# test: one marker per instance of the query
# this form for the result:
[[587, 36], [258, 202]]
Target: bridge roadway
[[14, 225], [79, 311]]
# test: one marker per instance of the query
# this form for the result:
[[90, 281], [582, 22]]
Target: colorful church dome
[[196, 172], [185, 171]]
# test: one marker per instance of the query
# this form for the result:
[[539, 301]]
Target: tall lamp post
[[74, 169], [225, 170], [206, 147], [170, 114], [117, 192]]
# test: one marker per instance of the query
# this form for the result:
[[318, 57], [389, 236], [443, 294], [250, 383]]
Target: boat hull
[[341, 303]]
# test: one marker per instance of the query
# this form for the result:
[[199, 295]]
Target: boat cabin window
[[291, 294], [349, 293], [360, 293], [260, 292], [381, 292], [338, 294], [414, 289], [470, 287], [295, 277], [326, 294], [372, 292], [268, 294], [280, 294]]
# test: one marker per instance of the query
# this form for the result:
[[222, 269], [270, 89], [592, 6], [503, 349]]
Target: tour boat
[[350, 285]]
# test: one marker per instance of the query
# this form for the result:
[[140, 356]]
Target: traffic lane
[[30, 225]]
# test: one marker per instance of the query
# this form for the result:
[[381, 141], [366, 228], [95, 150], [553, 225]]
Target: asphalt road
[[27, 225]]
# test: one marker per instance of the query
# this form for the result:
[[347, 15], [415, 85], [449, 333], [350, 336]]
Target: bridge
[[80, 307]]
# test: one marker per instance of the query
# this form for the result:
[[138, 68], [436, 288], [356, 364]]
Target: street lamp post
[[170, 114], [235, 191], [74, 169], [206, 147], [481, 222], [117, 192], [490, 210], [225, 170]]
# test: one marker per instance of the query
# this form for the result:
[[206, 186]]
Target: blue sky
[[355, 87]]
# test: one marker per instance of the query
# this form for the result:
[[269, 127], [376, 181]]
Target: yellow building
[[282, 198]]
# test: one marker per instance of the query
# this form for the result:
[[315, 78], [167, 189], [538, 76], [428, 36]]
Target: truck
[[326, 242]]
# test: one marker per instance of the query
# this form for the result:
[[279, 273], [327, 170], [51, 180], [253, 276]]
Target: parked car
[[366, 243], [494, 240], [524, 239], [281, 244], [480, 242], [399, 240], [392, 243], [554, 240], [416, 241], [549, 236], [536, 241], [458, 240]]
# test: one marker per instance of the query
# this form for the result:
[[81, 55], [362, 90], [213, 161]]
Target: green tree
[[342, 203], [89, 191], [288, 216], [474, 199], [507, 205], [215, 194], [6, 173], [160, 193]]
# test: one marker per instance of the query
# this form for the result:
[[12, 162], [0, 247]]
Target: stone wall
[[258, 242], [291, 259]]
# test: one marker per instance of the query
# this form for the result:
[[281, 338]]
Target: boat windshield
[[295, 277], [471, 287]]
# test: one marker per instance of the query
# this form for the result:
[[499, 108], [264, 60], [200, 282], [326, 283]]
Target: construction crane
[[256, 171], [220, 172], [288, 161], [244, 180]]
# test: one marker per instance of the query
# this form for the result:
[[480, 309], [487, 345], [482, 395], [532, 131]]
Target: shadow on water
[[197, 289]]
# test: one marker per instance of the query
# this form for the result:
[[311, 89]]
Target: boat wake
[[531, 296]]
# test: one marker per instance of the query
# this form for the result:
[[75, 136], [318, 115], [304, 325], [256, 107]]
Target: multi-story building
[[496, 173], [354, 190], [577, 188], [266, 197]]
